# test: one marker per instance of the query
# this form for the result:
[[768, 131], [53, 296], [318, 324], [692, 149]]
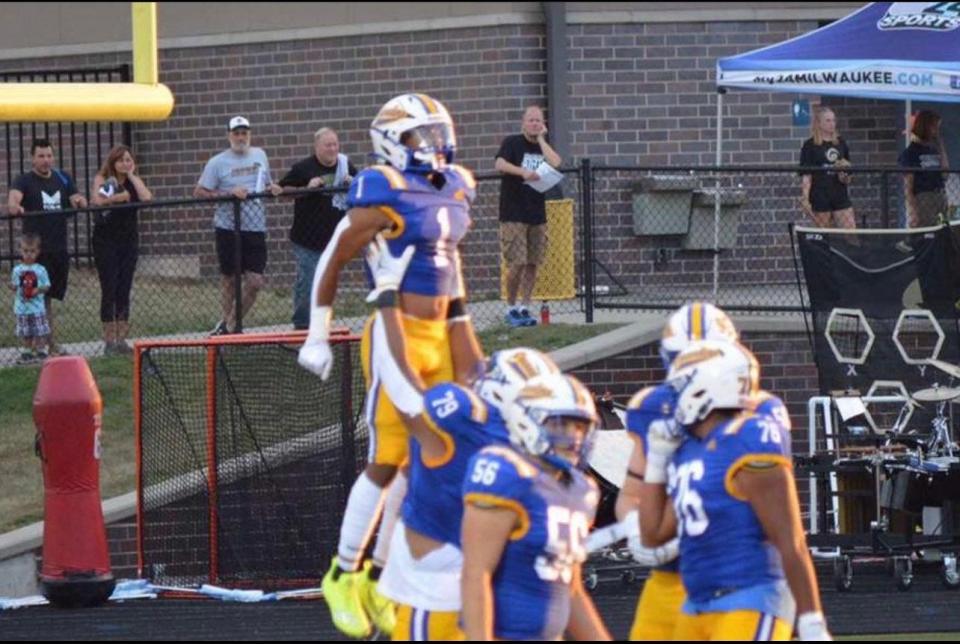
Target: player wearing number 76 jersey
[[528, 509], [734, 505]]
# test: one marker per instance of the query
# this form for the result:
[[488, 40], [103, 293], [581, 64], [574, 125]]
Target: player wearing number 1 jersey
[[414, 197], [528, 511], [733, 503]]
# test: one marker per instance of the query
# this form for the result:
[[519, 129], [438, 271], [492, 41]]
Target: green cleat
[[381, 610], [343, 599]]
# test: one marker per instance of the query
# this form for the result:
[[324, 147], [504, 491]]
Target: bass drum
[[608, 459]]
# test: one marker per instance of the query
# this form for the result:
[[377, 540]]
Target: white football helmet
[[712, 374], [413, 132], [507, 370], [552, 417], [694, 321]]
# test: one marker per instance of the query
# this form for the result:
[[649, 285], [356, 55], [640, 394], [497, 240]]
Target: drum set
[[914, 471]]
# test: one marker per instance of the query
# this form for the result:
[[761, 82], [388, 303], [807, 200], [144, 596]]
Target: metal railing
[[640, 237], [660, 237], [176, 286]]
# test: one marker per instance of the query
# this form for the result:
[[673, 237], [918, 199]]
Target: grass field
[[21, 480]]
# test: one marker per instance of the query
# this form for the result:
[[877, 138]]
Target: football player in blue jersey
[[448, 424], [733, 503], [663, 595], [417, 197], [528, 512]]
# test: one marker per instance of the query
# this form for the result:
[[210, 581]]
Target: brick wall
[[639, 94], [787, 370]]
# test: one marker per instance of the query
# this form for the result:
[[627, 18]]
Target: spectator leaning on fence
[[825, 198], [925, 192], [48, 190], [315, 216], [116, 243], [238, 171], [523, 218], [29, 282]]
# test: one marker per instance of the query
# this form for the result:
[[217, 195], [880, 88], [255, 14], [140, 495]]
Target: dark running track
[[874, 606]]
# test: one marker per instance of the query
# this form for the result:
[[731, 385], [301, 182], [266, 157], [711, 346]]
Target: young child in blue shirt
[[29, 281]]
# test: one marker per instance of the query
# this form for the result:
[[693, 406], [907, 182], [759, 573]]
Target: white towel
[[343, 169]]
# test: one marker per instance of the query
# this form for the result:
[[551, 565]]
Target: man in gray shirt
[[238, 171]]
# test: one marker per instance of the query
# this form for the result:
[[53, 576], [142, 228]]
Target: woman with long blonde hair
[[825, 198], [116, 242]]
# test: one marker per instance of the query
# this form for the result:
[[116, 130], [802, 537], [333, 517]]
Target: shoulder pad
[[449, 403], [376, 185], [659, 399], [465, 175], [767, 404], [754, 433], [649, 405], [499, 477]]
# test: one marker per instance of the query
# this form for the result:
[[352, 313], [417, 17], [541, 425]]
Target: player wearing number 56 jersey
[[528, 511], [414, 197], [733, 504], [448, 424]]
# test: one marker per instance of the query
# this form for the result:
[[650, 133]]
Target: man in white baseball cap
[[238, 171]]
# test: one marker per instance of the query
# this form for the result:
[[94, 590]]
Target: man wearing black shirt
[[315, 216], [523, 218], [49, 190]]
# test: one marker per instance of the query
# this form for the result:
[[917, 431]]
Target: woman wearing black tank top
[[825, 198], [116, 243]]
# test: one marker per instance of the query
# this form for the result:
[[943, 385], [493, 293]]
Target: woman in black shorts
[[825, 197]]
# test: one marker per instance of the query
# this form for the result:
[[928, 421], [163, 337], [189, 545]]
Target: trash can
[[700, 235], [661, 204]]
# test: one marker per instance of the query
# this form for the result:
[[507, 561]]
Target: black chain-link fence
[[650, 233], [661, 238], [177, 290]]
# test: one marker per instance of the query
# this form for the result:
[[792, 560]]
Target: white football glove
[[387, 270], [663, 440], [629, 529], [641, 554], [653, 556], [315, 355], [812, 627]]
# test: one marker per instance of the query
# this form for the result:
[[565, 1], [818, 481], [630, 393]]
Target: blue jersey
[[766, 404], [659, 403], [433, 505], [531, 586], [433, 220], [647, 406], [725, 560]]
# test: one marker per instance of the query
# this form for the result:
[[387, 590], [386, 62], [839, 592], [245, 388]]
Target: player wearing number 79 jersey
[[528, 509]]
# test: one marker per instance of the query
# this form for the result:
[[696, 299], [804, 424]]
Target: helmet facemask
[[414, 132]]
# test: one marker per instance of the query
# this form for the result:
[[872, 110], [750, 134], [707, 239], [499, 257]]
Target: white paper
[[549, 177], [849, 407]]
